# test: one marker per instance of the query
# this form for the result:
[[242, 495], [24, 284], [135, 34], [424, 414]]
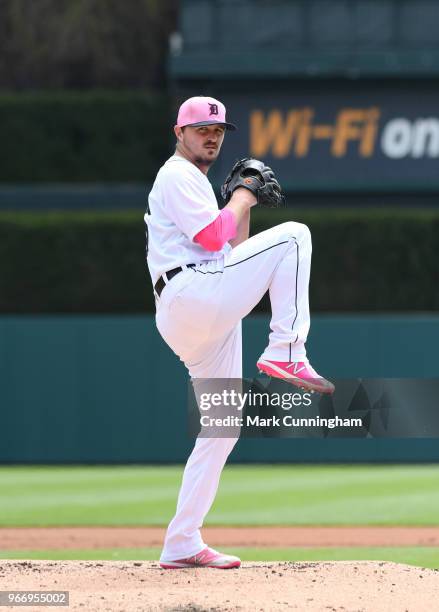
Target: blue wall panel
[[108, 389]]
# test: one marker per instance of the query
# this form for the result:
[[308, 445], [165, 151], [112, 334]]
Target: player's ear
[[178, 133]]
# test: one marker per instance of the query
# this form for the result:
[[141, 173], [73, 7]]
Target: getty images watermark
[[235, 400], [359, 408]]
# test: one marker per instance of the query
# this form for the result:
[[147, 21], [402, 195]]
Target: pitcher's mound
[[139, 586]]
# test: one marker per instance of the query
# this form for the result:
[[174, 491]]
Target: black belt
[[160, 284]]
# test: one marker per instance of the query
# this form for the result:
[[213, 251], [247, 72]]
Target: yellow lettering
[[347, 129], [368, 140], [276, 132], [321, 132], [304, 133], [273, 132]]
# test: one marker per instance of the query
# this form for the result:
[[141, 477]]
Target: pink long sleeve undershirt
[[214, 236]]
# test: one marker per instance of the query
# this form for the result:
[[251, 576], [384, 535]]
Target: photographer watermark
[[359, 408], [230, 398]]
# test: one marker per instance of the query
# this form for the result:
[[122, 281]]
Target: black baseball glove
[[258, 178]]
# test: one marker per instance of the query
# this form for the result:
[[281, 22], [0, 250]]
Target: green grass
[[419, 556], [248, 495]]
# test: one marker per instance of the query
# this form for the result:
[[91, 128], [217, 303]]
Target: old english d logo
[[213, 109]]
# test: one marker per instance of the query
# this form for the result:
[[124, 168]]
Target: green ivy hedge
[[364, 260], [80, 137]]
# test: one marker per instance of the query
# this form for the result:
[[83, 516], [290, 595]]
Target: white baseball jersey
[[181, 204]]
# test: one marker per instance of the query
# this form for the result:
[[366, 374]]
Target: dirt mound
[[140, 586]]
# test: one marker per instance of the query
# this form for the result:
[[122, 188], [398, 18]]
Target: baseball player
[[207, 275]]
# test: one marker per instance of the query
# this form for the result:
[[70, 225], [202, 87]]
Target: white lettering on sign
[[404, 138], [426, 138], [396, 141]]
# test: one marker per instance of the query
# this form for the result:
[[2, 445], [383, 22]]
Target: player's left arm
[[231, 219], [242, 230]]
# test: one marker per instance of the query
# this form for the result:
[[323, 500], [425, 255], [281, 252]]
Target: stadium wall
[[106, 389]]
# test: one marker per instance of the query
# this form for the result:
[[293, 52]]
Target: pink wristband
[[214, 236]]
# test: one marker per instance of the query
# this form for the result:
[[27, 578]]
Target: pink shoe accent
[[299, 373], [206, 558]]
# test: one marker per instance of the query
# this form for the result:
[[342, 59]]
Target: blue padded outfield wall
[[107, 389]]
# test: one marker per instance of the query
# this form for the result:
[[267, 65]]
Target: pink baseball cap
[[202, 110]]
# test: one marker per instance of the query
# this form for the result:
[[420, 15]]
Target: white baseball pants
[[199, 315]]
